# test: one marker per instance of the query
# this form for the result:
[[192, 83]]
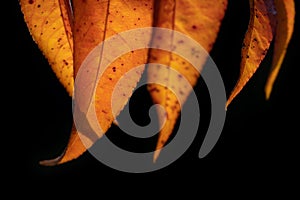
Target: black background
[[257, 143]]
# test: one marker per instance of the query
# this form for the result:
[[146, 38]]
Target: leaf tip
[[156, 154], [267, 92], [227, 104], [229, 100], [51, 162]]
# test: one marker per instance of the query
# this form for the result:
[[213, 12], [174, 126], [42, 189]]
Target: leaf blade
[[256, 43], [75, 147], [95, 21], [180, 16], [49, 23], [284, 31]]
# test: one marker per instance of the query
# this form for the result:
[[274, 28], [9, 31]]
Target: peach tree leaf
[[285, 27], [95, 21], [256, 43], [49, 23], [201, 21]]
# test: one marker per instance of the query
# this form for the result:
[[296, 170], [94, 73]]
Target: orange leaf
[[49, 23], [285, 17], [256, 43], [75, 147], [201, 21], [95, 21]]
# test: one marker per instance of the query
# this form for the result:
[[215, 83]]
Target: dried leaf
[[94, 21], [201, 21], [257, 41], [285, 17], [49, 23]]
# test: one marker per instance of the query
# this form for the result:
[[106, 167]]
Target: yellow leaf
[[256, 43], [95, 21], [285, 17], [201, 21], [49, 23]]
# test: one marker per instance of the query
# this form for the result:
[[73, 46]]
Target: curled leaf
[[285, 17], [256, 43]]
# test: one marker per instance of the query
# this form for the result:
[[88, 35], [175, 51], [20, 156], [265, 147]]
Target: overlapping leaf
[[55, 27], [94, 21], [201, 21]]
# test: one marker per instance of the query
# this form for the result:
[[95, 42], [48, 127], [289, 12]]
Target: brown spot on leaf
[[173, 108], [66, 63], [154, 89], [153, 57]]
